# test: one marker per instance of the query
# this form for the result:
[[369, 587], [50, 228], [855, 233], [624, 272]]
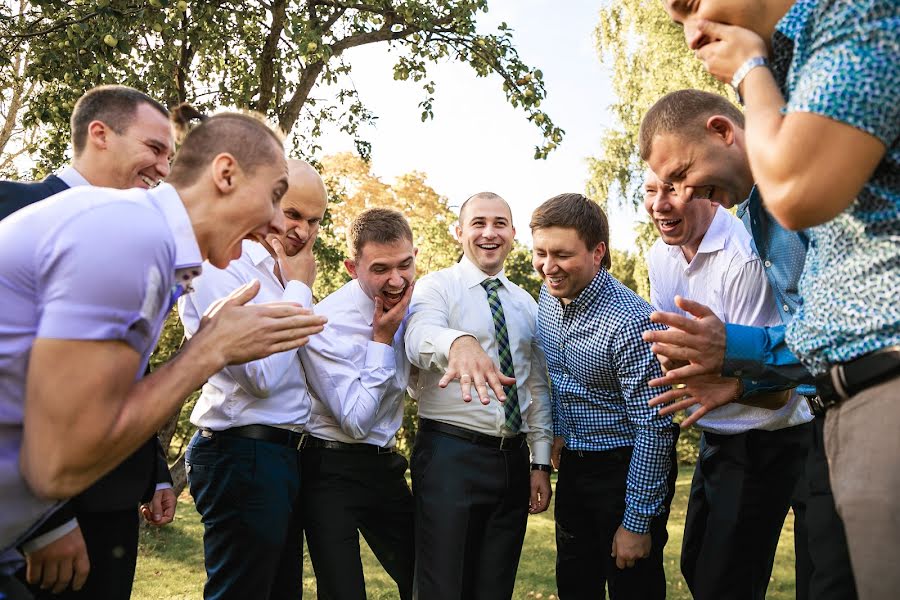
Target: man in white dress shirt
[[751, 457], [470, 464], [243, 463], [357, 372]]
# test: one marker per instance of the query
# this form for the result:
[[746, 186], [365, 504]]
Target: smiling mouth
[[488, 246], [393, 296], [556, 279], [151, 183], [668, 224]]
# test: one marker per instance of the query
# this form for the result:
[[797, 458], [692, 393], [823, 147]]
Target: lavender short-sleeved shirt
[[87, 264]]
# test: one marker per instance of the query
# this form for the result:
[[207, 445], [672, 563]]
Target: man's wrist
[[539, 467], [744, 70]]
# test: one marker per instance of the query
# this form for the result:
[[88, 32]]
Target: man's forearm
[[760, 353]]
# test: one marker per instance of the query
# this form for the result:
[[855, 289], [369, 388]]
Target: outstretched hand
[[243, 332], [706, 392], [699, 341], [472, 366]]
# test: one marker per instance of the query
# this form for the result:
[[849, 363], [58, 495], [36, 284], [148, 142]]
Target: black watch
[[545, 468]]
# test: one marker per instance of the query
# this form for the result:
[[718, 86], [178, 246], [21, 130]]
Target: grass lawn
[[170, 561]]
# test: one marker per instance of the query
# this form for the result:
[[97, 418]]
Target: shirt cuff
[[540, 452], [163, 485], [636, 523], [380, 356], [51, 536], [297, 291], [743, 345]]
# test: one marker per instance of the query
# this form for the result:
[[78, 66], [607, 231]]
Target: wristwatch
[[545, 468], [743, 70]]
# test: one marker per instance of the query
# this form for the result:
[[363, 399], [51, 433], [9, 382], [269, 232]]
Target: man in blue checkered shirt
[[615, 454]]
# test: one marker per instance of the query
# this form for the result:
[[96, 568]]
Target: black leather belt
[[265, 433], [314, 442], [845, 380], [480, 439]]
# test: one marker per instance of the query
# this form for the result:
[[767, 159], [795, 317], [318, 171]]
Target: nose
[[302, 229], [662, 202], [396, 279]]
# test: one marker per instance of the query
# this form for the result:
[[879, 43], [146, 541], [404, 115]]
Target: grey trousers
[[862, 440]]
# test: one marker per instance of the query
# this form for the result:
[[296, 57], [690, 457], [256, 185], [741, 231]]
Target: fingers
[[672, 320], [50, 574], [280, 254], [244, 294], [34, 571], [695, 308], [674, 351], [379, 310], [684, 373], [665, 398], [82, 567], [465, 386], [679, 406], [495, 379], [63, 575], [693, 418], [481, 388]]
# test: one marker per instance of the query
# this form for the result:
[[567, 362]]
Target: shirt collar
[[717, 234], [187, 251], [473, 276], [364, 304], [257, 252], [793, 21], [72, 178], [589, 294]]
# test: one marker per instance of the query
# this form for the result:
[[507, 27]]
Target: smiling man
[[354, 480], [87, 279], [121, 138], [243, 464], [470, 470], [616, 455], [751, 460]]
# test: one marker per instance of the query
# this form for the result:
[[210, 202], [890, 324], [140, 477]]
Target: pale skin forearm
[[63, 454]]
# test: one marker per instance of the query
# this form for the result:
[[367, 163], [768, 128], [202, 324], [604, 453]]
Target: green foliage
[[266, 56], [649, 58], [520, 271]]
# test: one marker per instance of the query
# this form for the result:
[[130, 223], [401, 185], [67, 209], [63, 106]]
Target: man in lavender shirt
[[86, 280], [121, 138]]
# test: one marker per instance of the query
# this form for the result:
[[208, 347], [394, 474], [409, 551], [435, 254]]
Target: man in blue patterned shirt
[[825, 152], [615, 454]]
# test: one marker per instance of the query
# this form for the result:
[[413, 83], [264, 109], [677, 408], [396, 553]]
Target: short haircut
[[245, 135], [574, 211], [377, 225], [684, 112], [485, 196], [114, 105]]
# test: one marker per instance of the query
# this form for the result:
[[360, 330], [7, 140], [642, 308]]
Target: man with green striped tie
[[483, 402]]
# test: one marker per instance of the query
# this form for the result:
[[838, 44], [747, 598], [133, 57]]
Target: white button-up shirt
[[357, 385], [728, 277], [269, 391], [452, 303]]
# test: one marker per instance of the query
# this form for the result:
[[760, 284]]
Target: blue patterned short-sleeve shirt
[[846, 66]]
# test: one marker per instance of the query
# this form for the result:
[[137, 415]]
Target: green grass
[[170, 561]]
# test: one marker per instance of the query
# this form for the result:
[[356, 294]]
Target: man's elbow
[[797, 207], [52, 480]]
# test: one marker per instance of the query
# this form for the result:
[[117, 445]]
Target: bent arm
[[70, 440], [428, 333]]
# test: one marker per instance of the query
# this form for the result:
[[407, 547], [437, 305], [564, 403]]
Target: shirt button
[[738, 373], [786, 308], [768, 263]]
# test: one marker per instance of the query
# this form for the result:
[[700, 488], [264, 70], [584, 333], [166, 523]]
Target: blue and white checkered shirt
[[599, 368]]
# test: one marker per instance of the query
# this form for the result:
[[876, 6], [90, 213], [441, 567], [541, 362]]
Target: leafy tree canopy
[[266, 55]]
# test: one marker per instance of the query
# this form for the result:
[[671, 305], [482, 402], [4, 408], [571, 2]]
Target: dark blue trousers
[[471, 514], [248, 495]]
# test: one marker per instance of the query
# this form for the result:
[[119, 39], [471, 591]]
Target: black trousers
[[742, 488], [471, 513], [248, 495], [590, 505], [347, 493], [13, 589], [824, 572], [111, 538]]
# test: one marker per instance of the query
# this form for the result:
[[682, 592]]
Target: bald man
[[243, 463]]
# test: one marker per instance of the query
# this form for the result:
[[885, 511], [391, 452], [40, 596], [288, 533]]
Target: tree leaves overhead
[[649, 58], [265, 55]]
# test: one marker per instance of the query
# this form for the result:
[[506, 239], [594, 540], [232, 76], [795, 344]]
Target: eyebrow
[[678, 6]]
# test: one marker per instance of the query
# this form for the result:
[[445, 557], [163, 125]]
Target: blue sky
[[477, 141]]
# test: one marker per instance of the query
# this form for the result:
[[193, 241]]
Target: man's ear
[[721, 127], [351, 268], [97, 134], [224, 169], [599, 253]]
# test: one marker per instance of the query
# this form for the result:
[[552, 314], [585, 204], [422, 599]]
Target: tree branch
[[267, 59]]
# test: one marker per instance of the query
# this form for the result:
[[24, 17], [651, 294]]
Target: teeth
[[489, 246], [149, 181]]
